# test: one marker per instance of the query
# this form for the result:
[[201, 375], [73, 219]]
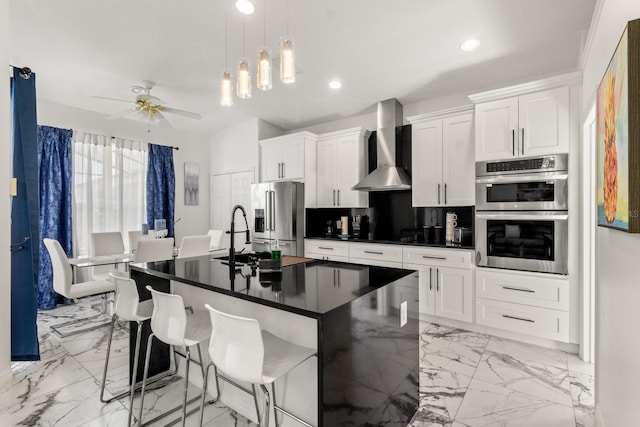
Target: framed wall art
[[618, 136], [191, 184]]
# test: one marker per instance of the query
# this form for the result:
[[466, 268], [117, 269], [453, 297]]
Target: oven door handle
[[524, 215], [503, 179]]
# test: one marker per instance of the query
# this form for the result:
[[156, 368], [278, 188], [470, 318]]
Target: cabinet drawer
[[536, 290], [326, 247], [372, 252], [540, 322], [457, 258]]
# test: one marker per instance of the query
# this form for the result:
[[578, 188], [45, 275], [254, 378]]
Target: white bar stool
[[128, 308], [171, 324], [245, 353]]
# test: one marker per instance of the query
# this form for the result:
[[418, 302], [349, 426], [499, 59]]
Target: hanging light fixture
[[287, 56], [244, 72], [264, 57], [226, 85]]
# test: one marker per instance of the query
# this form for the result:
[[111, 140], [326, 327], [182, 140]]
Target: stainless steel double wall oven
[[522, 214]]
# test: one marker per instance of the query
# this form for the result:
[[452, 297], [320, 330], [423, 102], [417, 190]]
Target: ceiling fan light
[[246, 7], [264, 80], [226, 90], [244, 80], [287, 60]]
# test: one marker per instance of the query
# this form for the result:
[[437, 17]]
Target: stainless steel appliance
[[277, 213], [537, 183], [522, 214]]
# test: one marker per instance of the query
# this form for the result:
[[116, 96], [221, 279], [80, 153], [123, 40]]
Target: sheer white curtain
[[109, 187]]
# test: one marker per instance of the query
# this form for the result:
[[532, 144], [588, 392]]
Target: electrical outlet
[[403, 314]]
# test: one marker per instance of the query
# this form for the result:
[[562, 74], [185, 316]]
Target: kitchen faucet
[[232, 232]]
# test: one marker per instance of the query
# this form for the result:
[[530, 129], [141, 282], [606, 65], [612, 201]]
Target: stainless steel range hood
[[387, 176]]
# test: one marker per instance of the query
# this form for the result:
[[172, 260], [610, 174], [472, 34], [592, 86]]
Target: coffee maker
[[360, 227]]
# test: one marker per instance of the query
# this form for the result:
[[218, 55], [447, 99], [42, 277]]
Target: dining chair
[[106, 243], [62, 284], [239, 348], [173, 325], [216, 239], [192, 246], [150, 250]]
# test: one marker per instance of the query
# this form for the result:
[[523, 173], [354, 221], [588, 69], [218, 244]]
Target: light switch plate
[[403, 314], [13, 187]]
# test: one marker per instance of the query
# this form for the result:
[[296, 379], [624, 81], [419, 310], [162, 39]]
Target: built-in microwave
[[523, 240], [537, 183]]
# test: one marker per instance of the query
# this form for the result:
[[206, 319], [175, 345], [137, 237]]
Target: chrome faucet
[[232, 232]]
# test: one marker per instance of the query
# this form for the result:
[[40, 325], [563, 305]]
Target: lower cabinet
[[326, 249], [445, 291]]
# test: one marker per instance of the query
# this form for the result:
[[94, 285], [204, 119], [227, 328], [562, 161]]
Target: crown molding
[[441, 114], [533, 86], [593, 27], [351, 131]]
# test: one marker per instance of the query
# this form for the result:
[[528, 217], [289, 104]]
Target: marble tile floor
[[467, 379]]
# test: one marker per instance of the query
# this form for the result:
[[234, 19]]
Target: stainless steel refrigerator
[[277, 213]]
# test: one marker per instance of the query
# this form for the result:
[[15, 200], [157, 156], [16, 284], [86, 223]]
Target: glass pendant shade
[[244, 80], [287, 60], [264, 69], [226, 90]]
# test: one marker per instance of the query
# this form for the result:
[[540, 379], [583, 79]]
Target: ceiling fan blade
[[162, 121], [113, 99], [124, 113], [182, 113]]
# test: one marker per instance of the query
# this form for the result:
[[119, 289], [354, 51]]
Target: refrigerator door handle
[[267, 211], [273, 210]]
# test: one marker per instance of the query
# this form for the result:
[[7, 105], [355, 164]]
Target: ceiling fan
[[148, 107]]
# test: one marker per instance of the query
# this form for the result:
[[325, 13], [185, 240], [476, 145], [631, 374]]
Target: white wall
[[617, 267], [193, 148], [235, 148], [5, 221]]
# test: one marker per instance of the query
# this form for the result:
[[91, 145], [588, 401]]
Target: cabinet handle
[[430, 278], [374, 252], [338, 197], [518, 289], [513, 142], [522, 142], [283, 169], [433, 257], [437, 280], [438, 193], [325, 248], [279, 169], [445, 193], [334, 197], [518, 318]]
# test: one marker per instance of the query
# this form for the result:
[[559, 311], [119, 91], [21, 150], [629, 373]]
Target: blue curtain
[[25, 218], [55, 204], [161, 186]]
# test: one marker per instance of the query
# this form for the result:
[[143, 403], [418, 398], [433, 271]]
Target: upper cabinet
[[442, 158], [531, 124], [283, 158], [341, 164]]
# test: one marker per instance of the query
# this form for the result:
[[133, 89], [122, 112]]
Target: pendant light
[[244, 72], [264, 57], [287, 56], [226, 85]]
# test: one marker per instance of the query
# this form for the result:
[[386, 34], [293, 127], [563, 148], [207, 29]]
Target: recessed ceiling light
[[245, 7], [469, 45], [335, 84]]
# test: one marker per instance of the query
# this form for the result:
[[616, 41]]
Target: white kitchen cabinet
[[446, 280], [376, 254], [442, 159], [283, 158], [326, 249], [341, 164], [228, 190], [532, 124]]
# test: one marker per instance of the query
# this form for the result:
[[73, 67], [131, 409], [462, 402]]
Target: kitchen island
[[366, 370]]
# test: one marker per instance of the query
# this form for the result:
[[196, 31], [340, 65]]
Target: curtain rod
[[175, 148], [25, 72]]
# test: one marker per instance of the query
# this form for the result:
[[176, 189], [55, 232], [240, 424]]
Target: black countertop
[[395, 242], [310, 289]]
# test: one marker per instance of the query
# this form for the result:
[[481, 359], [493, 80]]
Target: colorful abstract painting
[[612, 138]]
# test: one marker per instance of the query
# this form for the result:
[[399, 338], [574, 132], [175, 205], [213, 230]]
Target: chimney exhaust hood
[[387, 176]]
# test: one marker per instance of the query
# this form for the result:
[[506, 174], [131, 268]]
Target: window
[[109, 187]]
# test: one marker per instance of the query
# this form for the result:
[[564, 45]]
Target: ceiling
[[379, 49]]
